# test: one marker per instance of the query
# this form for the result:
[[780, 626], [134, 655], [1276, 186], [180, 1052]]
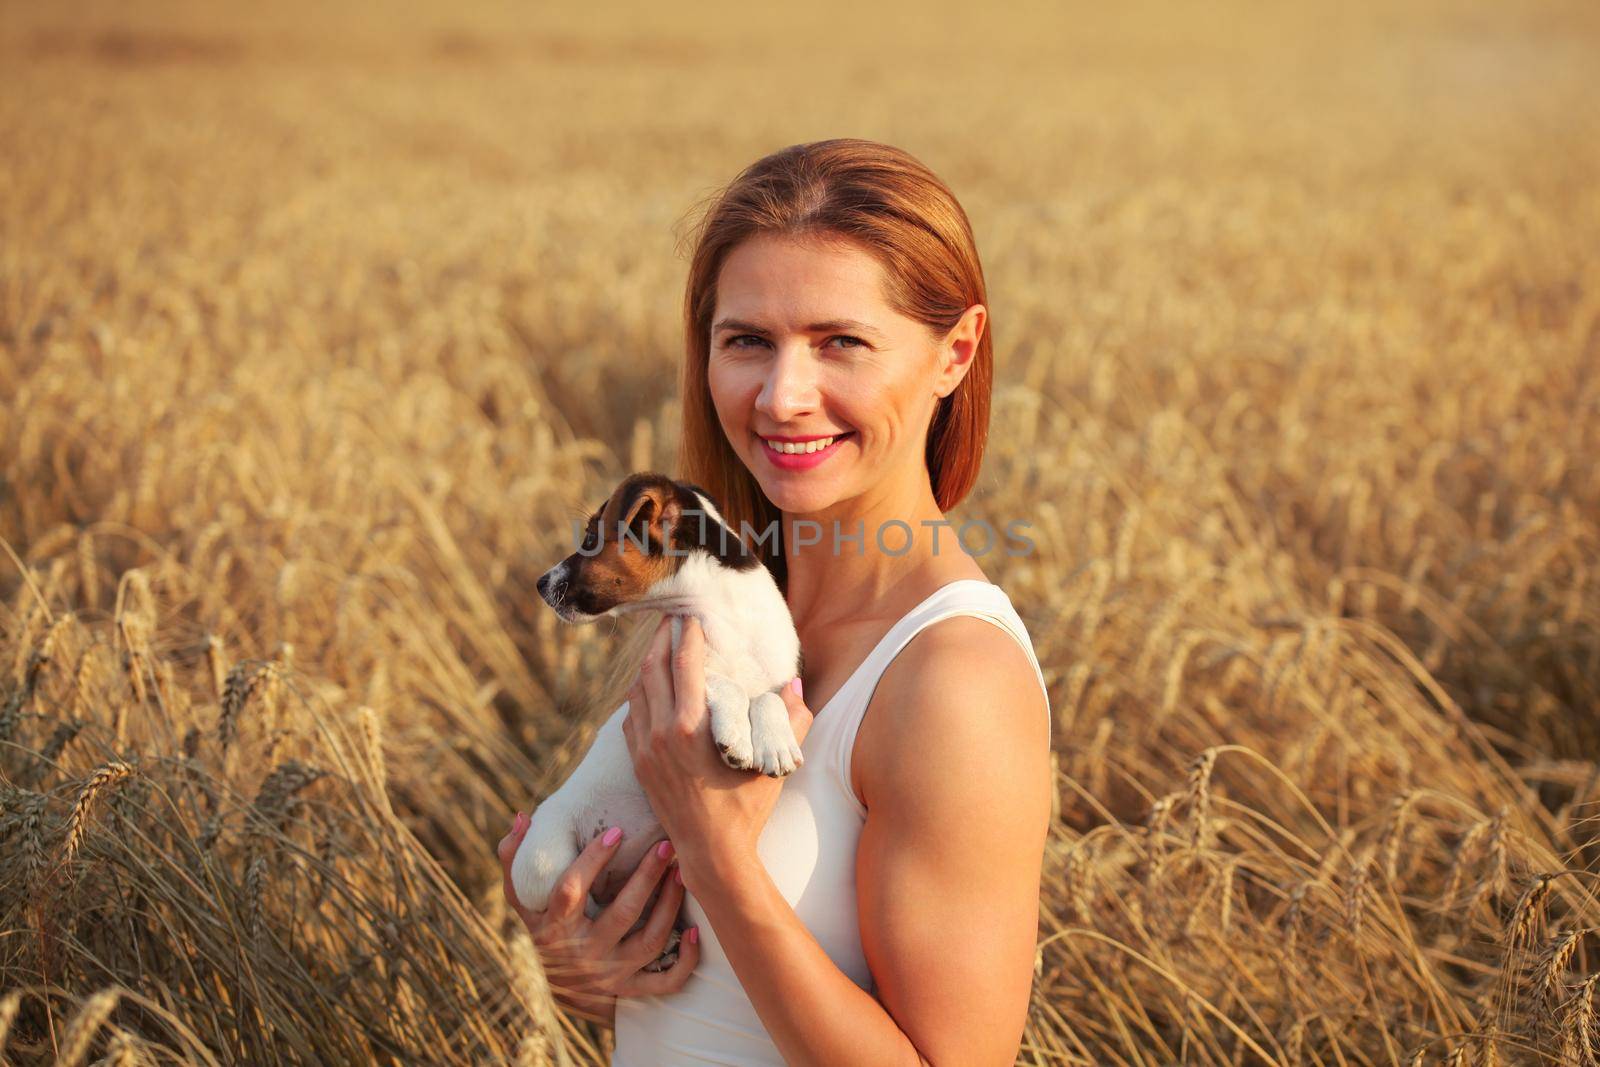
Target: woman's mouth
[[802, 455]]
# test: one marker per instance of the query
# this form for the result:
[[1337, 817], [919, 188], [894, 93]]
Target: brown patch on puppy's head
[[624, 552]]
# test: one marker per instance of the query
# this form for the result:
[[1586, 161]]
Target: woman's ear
[[959, 348]]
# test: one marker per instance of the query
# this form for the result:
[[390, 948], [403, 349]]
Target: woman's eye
[[854, 342], [738, 342]]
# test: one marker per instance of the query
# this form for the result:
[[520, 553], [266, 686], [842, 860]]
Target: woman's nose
[[790, 388]]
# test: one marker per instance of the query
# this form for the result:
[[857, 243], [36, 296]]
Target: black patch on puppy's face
[[699, 530]]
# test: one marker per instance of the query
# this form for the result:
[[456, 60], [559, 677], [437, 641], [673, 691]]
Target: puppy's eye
[[591, 537]]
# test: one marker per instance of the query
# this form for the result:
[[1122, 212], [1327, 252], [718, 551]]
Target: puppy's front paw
[[729, 709], [548, 848], [737, 755], [778, 760], [777, 753]]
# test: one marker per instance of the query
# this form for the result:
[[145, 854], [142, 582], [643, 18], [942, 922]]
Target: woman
[[880, 905]]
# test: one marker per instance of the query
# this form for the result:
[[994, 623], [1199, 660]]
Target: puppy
[[660, 545]]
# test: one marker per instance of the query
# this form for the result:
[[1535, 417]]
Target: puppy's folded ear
[[652, 515]]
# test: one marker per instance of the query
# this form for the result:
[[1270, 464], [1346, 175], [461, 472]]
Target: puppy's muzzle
[[553, 586]]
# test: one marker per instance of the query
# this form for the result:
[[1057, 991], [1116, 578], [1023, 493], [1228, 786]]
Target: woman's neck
[[865, 551]]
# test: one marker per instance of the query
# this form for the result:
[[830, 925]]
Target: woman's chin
[[793, 499]]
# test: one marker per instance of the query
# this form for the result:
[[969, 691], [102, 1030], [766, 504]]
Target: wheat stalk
[[372, 737], [1553, 962], [1466, 851], [83, 1027], [10, 1005], [216, 660], [1528, 914], [1578, 1024], [1392, 839], [102, 780], [1197, 796]]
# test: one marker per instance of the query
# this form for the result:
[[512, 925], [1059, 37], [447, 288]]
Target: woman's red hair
[[888, 202]]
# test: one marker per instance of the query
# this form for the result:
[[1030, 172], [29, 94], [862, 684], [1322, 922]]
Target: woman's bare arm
[[947, 875]]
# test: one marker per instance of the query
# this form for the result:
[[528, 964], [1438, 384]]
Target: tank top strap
[[841, 717]]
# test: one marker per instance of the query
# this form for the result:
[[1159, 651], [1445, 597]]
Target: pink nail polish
[[521, 823], [664, 849], [611, 836], [694, 935], [799, 690]]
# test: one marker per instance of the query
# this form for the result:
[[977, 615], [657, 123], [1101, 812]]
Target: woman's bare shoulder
[[962, 690]]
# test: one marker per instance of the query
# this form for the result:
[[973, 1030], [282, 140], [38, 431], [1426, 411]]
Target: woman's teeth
[[790, 448]]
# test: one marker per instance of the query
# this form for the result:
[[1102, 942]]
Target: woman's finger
[[619, 915], [649, 983], [634, 717], [655, 675], [572, 888], [646, 943], [800, 716], [660, 643], [689, 676]]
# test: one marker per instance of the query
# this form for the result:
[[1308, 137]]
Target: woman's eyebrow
[[847, 325]]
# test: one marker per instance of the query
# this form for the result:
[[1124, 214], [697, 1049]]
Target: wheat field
[[319, 323]]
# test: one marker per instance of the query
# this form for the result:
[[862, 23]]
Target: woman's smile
[[802, 453]]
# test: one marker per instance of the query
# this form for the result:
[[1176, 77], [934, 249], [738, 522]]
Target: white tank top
[[809, 848]]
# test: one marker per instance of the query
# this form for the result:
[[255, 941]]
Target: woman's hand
[[591, 962], [712, 813]]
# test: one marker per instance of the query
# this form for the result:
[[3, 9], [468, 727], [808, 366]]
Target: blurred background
[[319, 322]]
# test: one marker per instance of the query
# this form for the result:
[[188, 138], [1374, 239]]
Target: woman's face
[[804, 345]]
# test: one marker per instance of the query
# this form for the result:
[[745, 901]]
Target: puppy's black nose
[[552, 589]]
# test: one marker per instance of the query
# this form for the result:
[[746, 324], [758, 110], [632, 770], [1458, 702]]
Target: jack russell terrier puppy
[[661, 545]]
